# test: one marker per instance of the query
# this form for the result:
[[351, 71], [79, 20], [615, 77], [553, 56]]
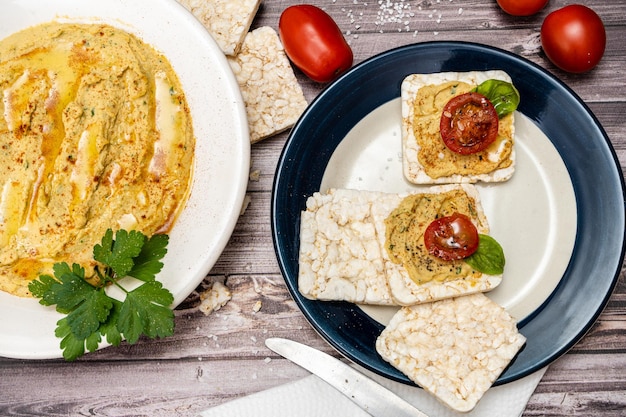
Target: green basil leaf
[[503, 95], [488, 258]]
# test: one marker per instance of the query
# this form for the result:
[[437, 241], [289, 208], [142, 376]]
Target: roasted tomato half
[[451, 237], [469, 123]]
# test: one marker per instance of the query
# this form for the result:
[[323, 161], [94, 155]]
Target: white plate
[[222, 149], [528, 215]]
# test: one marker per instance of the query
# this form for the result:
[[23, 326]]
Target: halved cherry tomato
[[573, 38], [522, 7], [314, 42], [451, 237], [469, 123]]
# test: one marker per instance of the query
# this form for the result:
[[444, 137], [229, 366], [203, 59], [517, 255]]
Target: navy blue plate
[[573, 129]]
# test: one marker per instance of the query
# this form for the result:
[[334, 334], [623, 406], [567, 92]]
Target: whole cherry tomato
[[451, 237], [469, 123], [573, 38], [522, 7], [314, 42]]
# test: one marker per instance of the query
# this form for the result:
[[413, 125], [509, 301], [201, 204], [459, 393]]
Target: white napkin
[[312, 397]]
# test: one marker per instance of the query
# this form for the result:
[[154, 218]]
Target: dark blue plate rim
[[566, 316]]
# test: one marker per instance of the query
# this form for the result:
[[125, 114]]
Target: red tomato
[[452, 237], [573, 38], [522, 7], [469, 123], [314, 42]]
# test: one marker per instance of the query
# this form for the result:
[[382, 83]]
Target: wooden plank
[[137, 388], [216, 358]]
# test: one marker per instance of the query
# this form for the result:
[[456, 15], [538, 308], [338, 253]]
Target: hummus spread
[[439, 161], [404, 235], [95, 133]]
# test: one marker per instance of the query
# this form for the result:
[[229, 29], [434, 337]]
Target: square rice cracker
[[342, 255], [413, 170], [455, 349], [227, 21], [273, 97]]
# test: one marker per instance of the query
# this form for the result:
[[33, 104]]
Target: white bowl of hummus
[[116, 114]]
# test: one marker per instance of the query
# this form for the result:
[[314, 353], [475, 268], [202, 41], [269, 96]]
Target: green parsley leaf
[[488, 258], [109, 329], [93, 341], [119, 254], [146, 311], [93, 310], [71, 289], [147, 263], [41, 288], [91, 314], [73, 347]]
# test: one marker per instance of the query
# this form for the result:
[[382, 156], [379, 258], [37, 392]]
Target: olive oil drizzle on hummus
[[439, 161], [95, 133], [404, 235]]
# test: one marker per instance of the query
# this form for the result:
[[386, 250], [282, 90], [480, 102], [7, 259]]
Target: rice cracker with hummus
[[458, 127], [95, 134], [395, 249]]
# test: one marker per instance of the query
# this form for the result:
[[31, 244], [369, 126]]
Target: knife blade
[[372, 397]]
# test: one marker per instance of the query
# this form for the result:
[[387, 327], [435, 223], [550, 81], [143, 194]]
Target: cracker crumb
[[246, 202], [214, 298], [255, 175], [257, 306]]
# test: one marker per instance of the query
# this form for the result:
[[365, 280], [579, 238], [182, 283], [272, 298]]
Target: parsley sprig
[[91, 313]]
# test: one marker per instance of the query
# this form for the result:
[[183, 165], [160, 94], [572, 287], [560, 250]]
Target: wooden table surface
[[216, 358]]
